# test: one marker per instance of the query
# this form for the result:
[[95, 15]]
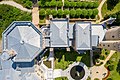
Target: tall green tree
[[60, 12], [66, 12], [78, 12], [54, 13], [72, 13], [48, 12], [42, 13], [66, 3]]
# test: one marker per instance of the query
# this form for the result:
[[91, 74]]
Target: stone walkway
[[14, 4], [100, 72]]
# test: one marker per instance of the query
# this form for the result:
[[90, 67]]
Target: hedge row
[[67, 4], [78, 13]]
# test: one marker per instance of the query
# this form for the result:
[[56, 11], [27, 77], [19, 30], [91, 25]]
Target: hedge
[[79, 13]]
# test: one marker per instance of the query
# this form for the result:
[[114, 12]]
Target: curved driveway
[[14, 4]]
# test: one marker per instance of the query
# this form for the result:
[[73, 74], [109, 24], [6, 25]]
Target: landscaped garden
[[111, 9], [74, 9], [63, 58], [98, 57], [113, 66]]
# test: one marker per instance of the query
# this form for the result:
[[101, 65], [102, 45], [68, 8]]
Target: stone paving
[[100, 72]]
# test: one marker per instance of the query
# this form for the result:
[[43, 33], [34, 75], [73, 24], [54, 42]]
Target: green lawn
[[63, 58], [61, 78], [114, 74], [105, 11]]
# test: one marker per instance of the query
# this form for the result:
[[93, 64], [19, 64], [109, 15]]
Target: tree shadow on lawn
[[72, 56], [118, 67]]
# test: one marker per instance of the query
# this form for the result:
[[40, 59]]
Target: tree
[[72, 13], [78, 4], [90, 5], [40, 4], [53, 4], [72, 4], [109, 79], [60, 12], [42, 13], [66, 3], [28, 4], [78, 59], [110, 67], [54, 13], [78, 12], [95, 4], [95, 11], [47, 4], [66, 12], [84, 13], [90, 12], [48, 12], [118, 67], [84, 4], [59, 4]]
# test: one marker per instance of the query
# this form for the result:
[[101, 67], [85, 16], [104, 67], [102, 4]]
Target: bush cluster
[[50, 4], [78, 13], [81, 4]]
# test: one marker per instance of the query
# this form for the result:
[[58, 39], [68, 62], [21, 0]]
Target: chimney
[[35, 13]]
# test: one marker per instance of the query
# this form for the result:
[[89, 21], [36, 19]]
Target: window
[[113, 36]]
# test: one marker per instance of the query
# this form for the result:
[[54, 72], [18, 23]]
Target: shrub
[[66, 12], [54, 13], [84, 12], [95, 4], [78, 12], [47, 4], [109, 79], [42, 12], [90, 5], [41, 4], [102, 57], [78, 59], [78, 4], [53, 4], [72, 4], [95, 11], [48, 12], [110, 67], [60, 13], [59, 4], [72, 13], [28, 4], [90, 12], [66, 3]]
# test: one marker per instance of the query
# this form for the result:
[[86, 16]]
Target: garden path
[[99, 9], [14, 4], [100, 72]]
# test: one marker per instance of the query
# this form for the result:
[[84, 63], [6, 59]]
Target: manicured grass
[[114, 74], [61, 78], [63, 58]]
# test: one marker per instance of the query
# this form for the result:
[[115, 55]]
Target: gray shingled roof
[[24, 39], [58, 35], [83, 36]]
